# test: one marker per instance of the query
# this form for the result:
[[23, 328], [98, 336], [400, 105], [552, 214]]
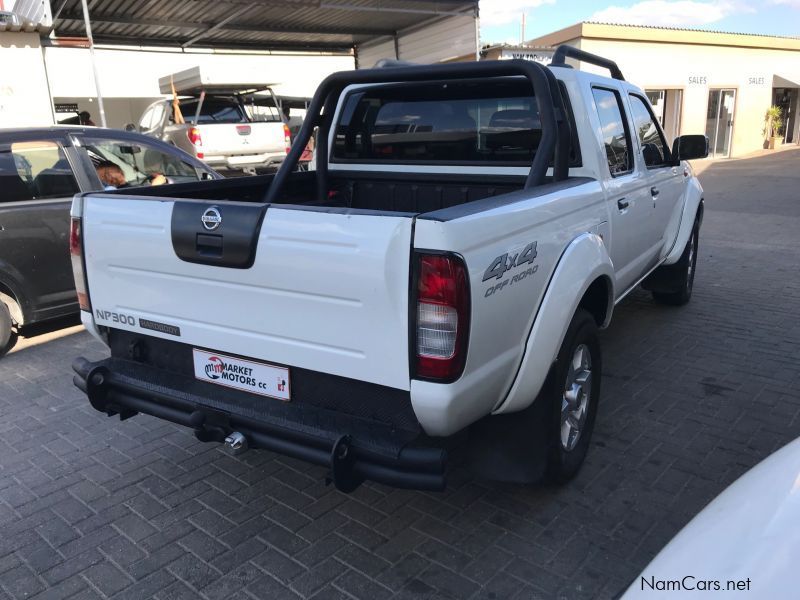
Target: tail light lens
[[76, 255], [442, 327], [287, 138], [193, 133]]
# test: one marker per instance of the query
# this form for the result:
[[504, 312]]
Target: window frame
[[576, 162], [667, 152], [625, 124]]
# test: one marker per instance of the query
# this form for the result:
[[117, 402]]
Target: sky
[[500, 19]]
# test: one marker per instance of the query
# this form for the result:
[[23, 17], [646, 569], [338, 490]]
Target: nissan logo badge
[[211, 218]]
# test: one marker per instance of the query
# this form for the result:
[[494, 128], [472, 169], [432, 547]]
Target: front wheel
[[573, 397]]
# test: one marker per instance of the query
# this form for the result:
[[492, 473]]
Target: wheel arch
[[598, 300], [693, 209], [14, 302], [584, 276]]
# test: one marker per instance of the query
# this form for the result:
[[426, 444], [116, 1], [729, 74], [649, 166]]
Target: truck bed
[[369, 190]]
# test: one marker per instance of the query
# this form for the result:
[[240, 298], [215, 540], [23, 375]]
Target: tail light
[[76, 255], [287, 138], [193, 133], [442, 327]]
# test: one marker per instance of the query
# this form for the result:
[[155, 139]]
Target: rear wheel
[[681, 274], [573, 397], [8, 337]]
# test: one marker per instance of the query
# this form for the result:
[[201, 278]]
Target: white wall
[[129, 78], [24, 98], [441, 40]]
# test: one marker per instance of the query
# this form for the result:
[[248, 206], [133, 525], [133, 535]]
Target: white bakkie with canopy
[[446, 266]]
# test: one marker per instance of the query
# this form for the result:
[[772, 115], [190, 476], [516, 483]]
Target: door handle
[[654, 191], [622, 204]]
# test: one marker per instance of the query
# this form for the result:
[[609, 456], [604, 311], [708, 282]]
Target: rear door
[[666, 182], [36, 187], [627, 191], [324, 291]]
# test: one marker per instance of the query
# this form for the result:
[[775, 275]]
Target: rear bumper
[[353, 448], [265, 159]]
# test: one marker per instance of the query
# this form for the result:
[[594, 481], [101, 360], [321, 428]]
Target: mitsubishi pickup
[[445, 268], [228, 125]]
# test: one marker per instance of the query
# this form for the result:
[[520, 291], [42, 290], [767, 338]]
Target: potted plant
[[773, 127]]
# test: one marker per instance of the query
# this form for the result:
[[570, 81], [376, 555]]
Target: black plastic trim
[[477, 206], [232, 244], [117, 387], [563, 52]]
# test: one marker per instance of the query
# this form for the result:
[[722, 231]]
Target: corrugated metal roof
[[693, 29], [257, 24]]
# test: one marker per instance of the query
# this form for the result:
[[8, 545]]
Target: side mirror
[[690, 147], [130, 127]]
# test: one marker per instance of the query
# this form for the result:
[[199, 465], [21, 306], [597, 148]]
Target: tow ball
[[237, 442]]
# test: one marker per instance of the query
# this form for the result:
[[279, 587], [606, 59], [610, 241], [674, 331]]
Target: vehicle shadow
[[40, 333]]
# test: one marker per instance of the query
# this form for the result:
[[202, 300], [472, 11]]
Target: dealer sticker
[[246, 375]]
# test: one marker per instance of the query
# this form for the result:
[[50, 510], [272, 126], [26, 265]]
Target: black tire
[[564, 460], [8, 337], [681, 274]]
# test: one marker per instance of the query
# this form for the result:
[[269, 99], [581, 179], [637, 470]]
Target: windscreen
[[493, 122]]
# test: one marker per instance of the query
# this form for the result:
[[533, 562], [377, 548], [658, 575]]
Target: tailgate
[[323, 291], [242, 138]]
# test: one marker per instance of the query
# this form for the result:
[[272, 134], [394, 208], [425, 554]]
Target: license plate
[[246, 375]]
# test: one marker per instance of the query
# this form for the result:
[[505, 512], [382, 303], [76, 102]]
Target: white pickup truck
[[446, 267], [228, 125]]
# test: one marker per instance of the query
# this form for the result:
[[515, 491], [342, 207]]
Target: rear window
[[213, 110], [441, 123]]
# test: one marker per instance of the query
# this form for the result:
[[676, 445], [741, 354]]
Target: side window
[[615, 131], [35, 171], [125, 163], [157, 116], [654, 147], [146, 119]]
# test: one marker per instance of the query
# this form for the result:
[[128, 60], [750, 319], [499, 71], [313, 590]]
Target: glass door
[[719, 122]]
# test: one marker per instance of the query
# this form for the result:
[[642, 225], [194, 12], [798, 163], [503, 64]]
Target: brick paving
[[692, 397]]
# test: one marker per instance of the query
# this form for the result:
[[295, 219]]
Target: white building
[[711, 82]]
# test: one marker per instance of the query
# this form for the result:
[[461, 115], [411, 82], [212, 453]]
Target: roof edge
[[674, 35]]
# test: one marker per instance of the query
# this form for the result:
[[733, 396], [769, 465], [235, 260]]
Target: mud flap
[[513, 447]]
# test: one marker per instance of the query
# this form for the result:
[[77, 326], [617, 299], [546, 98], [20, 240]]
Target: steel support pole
[[94, 64]]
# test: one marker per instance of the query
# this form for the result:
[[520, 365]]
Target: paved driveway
[[692, 397]]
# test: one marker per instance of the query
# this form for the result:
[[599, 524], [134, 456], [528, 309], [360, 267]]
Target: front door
[[719, 122], [666, 182]]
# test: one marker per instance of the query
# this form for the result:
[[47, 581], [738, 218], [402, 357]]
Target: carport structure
[[303, 25], [416, 30]]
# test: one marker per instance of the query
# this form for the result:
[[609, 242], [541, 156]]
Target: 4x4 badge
[[211, 218]]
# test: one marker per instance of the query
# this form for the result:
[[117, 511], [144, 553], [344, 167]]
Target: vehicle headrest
[[152, 158], [55, 183], [12, 187], [516, 118]]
